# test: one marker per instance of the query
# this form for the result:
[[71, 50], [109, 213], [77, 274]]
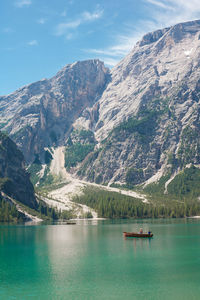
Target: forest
[[115, 205], [9, 213]]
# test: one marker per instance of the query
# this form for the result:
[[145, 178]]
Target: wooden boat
[[139, 235]]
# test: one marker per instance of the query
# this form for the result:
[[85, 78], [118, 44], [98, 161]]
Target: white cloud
[[163, 13], [192, 5], [160, 4], [123, 45], [22, 3], [112, 55], [111, 62], [87, 16], [33, 43], [64, 28], [174, 11]]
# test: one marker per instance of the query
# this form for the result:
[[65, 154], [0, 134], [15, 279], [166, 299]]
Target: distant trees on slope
[[115, 205]]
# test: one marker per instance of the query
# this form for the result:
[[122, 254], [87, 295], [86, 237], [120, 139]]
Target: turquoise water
[[92, 260]]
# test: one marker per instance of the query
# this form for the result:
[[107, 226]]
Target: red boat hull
[[140, 235]]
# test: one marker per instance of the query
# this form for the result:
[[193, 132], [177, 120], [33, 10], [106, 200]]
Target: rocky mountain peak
[[152, 37], [154, 68], [41, 114], [80, 68], [142, 118], [150, 108], [182, 30], [177, 32]]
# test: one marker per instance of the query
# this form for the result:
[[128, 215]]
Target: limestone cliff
[[131, 125], [41, 114], [148, 116]]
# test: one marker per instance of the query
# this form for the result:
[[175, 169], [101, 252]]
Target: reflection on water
[[139, 243], [92, 260]]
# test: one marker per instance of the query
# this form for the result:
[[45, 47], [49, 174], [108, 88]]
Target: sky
[[39, 37]]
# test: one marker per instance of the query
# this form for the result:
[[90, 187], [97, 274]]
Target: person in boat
[[141, 231]]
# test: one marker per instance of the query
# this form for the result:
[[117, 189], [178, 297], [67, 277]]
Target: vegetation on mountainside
[[49, 213], [86, 136], [140, 129], [185, 186], [14, 180], [76, 153], [144, 126], [178, 202], [34, 170], [47, 178], [12, 151], [79, 145], [47, 157], [3, 182], [114, 205], [189, 150], [9, 213], [36, 167], [156, 189], [134, 176], [15, 186], [90, 159]]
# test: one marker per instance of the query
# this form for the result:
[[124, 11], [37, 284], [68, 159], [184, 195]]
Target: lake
[[92, 260]]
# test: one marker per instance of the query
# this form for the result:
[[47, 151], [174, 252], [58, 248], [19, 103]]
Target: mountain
[[41, 114], [148, 124], [14, 180], [131, 125]]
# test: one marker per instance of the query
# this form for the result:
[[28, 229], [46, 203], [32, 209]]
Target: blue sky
[[38, 37]]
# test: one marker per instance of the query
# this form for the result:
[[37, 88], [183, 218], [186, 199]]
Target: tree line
[[114, 205], [9, 213]]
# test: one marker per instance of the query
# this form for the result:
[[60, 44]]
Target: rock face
[[41, 114], [14, 180], [163, 64], [144, 115], [148, 116]]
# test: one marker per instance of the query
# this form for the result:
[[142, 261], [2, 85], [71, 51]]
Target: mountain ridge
[[160, 75], [40, 114], [136, 122]]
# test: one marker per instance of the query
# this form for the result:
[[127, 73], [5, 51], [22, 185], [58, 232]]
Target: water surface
[[92, 260]]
